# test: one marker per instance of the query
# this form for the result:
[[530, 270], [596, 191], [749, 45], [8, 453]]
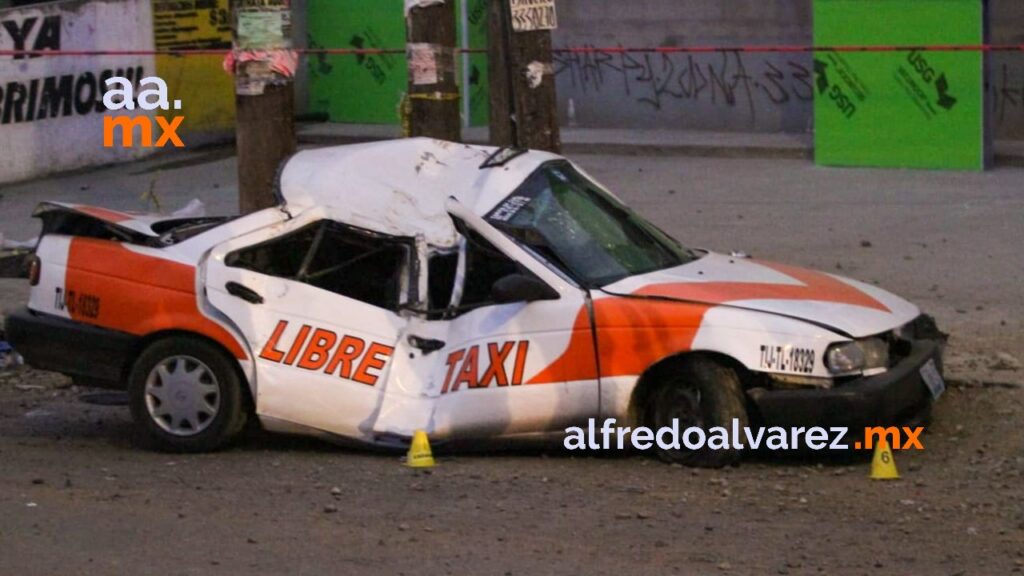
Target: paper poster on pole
[[263, 30], [423, 64], [531, 15]]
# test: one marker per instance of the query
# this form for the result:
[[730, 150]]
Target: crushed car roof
[[400, 187]]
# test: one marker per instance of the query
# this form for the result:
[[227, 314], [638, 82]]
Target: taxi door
[[318, 303], [518, 357]]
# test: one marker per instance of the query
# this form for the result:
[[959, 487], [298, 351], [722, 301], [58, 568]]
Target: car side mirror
[[521, 288]]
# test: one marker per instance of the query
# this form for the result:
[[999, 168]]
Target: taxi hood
[[848, 307]]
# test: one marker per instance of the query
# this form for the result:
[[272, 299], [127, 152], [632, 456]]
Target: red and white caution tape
[[568, 50]]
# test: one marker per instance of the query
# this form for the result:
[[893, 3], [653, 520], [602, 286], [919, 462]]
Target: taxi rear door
[[318, 303]]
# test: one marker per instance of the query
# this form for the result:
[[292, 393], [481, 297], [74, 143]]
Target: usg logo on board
[[152, 96]]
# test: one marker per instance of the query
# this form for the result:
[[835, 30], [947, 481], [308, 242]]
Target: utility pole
[[524, 106], [433, 90], [264, 67]]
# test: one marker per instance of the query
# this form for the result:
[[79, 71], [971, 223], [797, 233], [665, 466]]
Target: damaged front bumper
[[898, 396]]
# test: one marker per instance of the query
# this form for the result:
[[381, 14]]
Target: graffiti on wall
[[1006, 86], [741, 83]]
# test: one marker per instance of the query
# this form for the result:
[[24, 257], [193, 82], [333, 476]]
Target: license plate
[[932, 379]]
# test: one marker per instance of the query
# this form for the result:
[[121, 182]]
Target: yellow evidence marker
[[420, 455], [883, 465]]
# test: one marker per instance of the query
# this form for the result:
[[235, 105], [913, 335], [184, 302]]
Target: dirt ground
[[77, 497]]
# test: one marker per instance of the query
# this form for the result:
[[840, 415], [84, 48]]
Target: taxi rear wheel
[[185, 396], [701, 393]]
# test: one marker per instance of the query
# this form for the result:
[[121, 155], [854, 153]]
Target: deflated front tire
[[703, 393]]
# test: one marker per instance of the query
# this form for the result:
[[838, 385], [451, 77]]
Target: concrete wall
[[724, 92], [733, 92], [51, 110], [1006, 75]]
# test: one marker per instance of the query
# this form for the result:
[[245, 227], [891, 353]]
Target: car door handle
[[247, 294], [427, 345]]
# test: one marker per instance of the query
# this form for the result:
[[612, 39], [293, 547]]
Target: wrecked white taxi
[[473, 293]]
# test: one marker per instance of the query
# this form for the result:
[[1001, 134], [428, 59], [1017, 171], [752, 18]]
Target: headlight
[[857, 356]]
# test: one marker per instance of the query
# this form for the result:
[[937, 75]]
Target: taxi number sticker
[[787, 359]]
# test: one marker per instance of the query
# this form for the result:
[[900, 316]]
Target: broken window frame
[[408, 269], [468, 238]]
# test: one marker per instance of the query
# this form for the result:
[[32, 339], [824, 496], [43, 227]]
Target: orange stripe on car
[[578, 362], [138, 294], [814, 286], [104, 214], [633, 334]]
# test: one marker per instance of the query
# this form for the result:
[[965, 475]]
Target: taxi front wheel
[[700, 393]]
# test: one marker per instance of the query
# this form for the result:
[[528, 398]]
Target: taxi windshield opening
[[560, 214]]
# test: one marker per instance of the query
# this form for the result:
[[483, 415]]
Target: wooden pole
[[265, 104], [524, 106], [501, 117], [433, 90]]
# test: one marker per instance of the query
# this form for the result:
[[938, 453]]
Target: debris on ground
[[1004, 362], [8, 244], [9, 359], [194, 209]]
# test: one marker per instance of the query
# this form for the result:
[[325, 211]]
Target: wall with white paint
[[51, 108]]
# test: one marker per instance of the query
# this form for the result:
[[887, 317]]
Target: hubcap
[[182, 395], [683, 405]]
